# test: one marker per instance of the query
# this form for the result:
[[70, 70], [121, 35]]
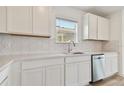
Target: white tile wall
[[21, 44]]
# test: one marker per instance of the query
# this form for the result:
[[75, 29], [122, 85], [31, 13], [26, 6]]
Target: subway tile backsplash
[[10, 44]]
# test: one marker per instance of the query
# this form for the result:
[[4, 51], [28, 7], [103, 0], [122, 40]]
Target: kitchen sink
[[74, 53], [77, 53]]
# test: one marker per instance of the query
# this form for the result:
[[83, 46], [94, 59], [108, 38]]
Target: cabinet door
[[41, 20], [111, 65], [108, 67], [32, 77], [2, 19], [84, 73], [103, 29], [71, 74], [19, 19], [15, 74], [54, 75], [78, 73], [92, 26], [114, 63]]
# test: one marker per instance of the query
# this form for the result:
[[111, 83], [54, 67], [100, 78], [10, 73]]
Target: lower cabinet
[[61, 71], [111, 64], [84, 70], [71, 74], [54, 75], [43, 73], [32, 77], [108, 67], [77, 72], [44, 76], [15, 74]]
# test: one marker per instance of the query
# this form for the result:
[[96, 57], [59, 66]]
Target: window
[[66, 30]]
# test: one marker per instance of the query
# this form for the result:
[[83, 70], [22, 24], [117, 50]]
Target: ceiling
[[100, 10]]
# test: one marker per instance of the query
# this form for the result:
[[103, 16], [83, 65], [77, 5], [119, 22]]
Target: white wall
[[115, 28], [20, 44]]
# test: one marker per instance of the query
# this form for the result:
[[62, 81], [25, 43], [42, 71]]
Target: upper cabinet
[[95, 27], [90, 26], [103, 28], [19, 19], [2, 19], [41, 20], [28, 20], [36, 21]]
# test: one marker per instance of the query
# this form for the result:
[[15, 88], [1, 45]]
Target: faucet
[[69, 45]]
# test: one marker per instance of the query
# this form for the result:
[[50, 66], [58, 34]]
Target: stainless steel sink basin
[[77, 53]]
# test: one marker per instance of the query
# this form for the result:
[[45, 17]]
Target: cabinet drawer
[[40, 63], [77, 59]]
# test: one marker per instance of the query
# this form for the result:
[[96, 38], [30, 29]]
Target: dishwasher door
[[98, 67]]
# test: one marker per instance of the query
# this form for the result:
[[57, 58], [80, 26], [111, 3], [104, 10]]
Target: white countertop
[[5, 60]]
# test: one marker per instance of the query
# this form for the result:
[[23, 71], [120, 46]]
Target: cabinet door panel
[[108, 67], [32, 77], [78, 73], [2, 19], [92, 23], [71, 74], [19, 19], [84, 73], [103, 29], [15, 74], [114, 64], [54, 75], [111, 64], [41, 20]]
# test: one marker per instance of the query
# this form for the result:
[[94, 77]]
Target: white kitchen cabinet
[[111, 64], [54, 75], [108, 67], [19, 19], [71, 74], [41, 20], [2, 19], [95, 27], [90, 26], [15, 74], [49, 76], [103, 28], [44, 72], [57, 71], [84, 72], [77, 71], [32, 77], [114, 61]]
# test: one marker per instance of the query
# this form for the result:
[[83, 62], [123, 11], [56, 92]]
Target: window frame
[[76, 30]]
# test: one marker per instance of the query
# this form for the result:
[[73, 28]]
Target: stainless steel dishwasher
[[97, 67]]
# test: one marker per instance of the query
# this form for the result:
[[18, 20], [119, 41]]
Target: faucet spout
[[69, 46], [73, 43]]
